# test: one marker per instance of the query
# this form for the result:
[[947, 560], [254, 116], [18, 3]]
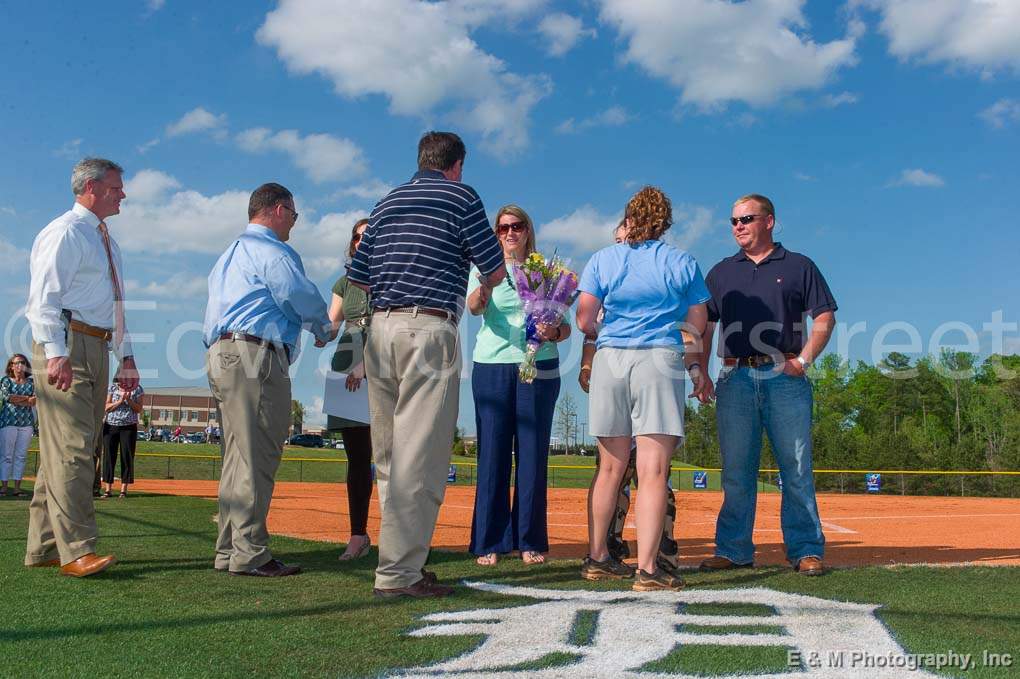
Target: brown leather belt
[[755, 361], [438, 313], [91, 330], [255, 339]]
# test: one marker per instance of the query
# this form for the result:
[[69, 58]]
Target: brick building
[[193, 408]]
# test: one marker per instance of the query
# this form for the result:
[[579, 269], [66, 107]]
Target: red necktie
[[118, 293]]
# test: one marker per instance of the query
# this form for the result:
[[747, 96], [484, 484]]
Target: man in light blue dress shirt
[[259, 300]]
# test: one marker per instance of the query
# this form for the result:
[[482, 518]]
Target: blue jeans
[[513, 420], [748, 400]]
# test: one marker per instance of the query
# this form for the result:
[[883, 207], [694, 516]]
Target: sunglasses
[[746, 219], [18, 363], [292, 210], [516, 227]]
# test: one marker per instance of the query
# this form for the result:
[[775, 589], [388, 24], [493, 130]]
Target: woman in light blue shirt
[[647, 289], [513, 419]]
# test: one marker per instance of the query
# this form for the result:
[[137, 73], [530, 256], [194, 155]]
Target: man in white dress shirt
[[76, 311]]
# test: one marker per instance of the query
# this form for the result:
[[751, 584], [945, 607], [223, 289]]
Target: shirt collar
[[428, 174], [86, 215], [263, 230], [778, 252]]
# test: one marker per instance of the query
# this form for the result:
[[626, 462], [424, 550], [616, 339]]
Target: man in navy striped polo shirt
[[414, 259]]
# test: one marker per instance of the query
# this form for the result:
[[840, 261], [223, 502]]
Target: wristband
[[804, 363], [586, 367], [589, 341]]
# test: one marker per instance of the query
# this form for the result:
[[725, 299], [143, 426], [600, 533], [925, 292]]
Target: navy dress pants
[[514, 421]]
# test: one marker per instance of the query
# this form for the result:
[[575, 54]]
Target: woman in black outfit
[[351, 304]]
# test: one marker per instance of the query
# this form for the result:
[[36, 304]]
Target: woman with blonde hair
[[647, 289], [513, 419]]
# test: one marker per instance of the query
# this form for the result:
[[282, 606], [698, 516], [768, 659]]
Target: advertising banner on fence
[[873, 482], [700, 480]]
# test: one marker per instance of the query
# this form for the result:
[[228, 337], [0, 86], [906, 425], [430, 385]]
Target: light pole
[[574, 415]]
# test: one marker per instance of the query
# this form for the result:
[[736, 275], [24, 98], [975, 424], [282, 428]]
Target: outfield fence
[[892, 481]]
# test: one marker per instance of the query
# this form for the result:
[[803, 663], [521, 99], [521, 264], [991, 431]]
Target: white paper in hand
[[337, 401]]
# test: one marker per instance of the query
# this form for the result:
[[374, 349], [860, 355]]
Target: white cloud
[[919, 178], [804, 177], [690, 224], [8, 211], [562, 32], [586, 230], [149, 186], [13, 259], [1002, 113], [834, 100], [372, 190], [323, 244], [158, 219], [718, 51], [180, 285], [315, 418], [142, 148], [323, 157], [579, 233], [70, 149], [976, 34], [154, 5], [198, 120], [419, 55], [614, 116], [161, 218]]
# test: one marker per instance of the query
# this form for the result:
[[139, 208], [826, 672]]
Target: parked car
[[306, 440], [196, 437]]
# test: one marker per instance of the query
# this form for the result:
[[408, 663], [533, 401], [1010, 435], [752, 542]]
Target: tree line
[[951, 412]]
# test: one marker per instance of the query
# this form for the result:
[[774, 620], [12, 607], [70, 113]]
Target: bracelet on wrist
[[586, 367]]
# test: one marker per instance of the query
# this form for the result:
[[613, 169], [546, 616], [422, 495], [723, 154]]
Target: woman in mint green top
[[513, 420], [350, 305]]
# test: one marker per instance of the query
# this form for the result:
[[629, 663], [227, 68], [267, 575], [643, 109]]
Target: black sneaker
[[610, 569], [657, 581]]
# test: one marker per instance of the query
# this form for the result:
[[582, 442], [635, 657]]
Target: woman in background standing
[[17, 396], [513, 419], [351, 304], [120, 433]]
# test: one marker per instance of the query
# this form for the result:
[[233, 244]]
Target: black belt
[[255, 339], [414, 310], [756, 361]]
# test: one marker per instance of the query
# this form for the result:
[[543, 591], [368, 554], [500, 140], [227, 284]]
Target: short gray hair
[[91, 168]]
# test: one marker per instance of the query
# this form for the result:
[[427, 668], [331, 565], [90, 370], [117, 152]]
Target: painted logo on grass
[[645, 634]]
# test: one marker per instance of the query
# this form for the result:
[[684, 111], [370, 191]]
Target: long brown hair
[[10, 365], [351, 247]]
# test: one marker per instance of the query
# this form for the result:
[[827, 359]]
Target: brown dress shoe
[[272, 569], [90, 564], [45, 564], [810, 565], [721, 563], [424, 588]]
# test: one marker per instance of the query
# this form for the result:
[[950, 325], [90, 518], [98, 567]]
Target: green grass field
[[163, 610], [155, 460]]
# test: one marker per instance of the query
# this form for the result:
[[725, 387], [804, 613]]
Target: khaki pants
[[413, 367], [62, 515], [252, 390]]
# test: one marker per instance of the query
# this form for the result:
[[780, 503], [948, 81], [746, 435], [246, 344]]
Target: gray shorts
[[637, 391]]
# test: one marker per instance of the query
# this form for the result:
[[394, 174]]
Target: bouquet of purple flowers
[[546, 288]]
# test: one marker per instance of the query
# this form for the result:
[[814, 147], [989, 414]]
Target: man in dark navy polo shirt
[[414, 258], [762, 297]]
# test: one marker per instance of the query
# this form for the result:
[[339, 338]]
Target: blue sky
[[886, 132]]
